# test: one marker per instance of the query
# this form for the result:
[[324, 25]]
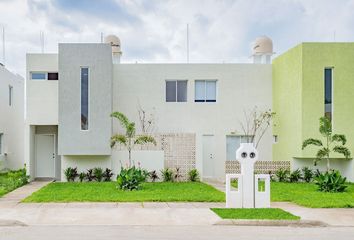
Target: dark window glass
[[328, 92], [84, 98], [53, 76], [170, 91], [181, 91]]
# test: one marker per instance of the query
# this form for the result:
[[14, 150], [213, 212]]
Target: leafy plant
[[71, 174], [131, 178], [295, 176], [307, 174], [331, 181], [82, 176], [167, 175], [17, 178], [282, 175], [153, 176], [107, 175], [330, 143], [98, 172], [177, 174], [129, 139], [90, 176], [193, 175]]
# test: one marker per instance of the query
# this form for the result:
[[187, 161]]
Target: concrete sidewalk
[[331, 216]]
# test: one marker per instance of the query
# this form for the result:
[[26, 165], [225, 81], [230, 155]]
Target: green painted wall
[[298, 95]]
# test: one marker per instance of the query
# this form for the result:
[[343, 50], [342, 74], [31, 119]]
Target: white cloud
[[155, 31]]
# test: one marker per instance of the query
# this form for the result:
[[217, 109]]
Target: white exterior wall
[[41, 96], [239, 87], [41, 102], [11, 120]]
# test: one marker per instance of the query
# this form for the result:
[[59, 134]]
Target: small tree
[[330, 144], [129, 139], [256, 124]]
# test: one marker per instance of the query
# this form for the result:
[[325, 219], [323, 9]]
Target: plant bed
[[11, 180], [307, 194], [108, 192], [254, 213]]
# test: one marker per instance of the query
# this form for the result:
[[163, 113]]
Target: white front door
[[208, 156], [45, 155]]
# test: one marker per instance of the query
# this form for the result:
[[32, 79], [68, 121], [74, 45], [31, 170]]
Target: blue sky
[[155, 30]]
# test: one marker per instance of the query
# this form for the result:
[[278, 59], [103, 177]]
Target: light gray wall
[[11, 120], [239, 87], [72, 140]]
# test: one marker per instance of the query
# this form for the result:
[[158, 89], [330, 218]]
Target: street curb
[[11, 223], [279, 223]]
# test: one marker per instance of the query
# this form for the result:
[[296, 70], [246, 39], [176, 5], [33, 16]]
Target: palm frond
[[311, 141], [123, 120], [321, 153], [325, 126], [118, 138], [143, 139], [342, 150], [339, 138]]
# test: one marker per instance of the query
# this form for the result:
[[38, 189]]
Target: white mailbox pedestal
[[247, 195], [233, 194]]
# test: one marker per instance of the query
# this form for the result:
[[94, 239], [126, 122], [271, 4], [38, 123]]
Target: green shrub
[[107, 175], [167, 175], [295, 176], [90, 176], [98, 172], [71, 174], [330, 181], [153, 176], [82, 176], [131, 178], [282, 175], [193, 175], [307, 174]]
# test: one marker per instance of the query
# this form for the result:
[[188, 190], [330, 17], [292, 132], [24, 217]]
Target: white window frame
[[332, 91], [176, 80], [46, 76], [205, 96], [88, 98]]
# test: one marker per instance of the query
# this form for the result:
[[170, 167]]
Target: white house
[[11, 119], [197, 109]]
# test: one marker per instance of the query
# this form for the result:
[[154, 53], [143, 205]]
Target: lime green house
[[309, 81]]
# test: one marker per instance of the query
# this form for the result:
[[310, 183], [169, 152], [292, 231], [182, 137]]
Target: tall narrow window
[[84, 98], [176, 90], [328, 82], [10, 95], [205, 91]]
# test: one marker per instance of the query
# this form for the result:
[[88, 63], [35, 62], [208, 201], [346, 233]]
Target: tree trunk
[[328, 165]]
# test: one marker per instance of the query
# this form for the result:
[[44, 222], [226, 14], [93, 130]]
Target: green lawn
[[306, 194], [254, 213], [107, 192]]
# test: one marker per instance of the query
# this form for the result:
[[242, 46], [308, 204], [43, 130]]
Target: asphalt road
[[173, 232]]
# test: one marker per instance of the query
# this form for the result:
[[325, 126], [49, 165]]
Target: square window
[[205, 91], [176, 90]]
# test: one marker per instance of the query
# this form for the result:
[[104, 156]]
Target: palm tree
[[129, 139], [330, 140]]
